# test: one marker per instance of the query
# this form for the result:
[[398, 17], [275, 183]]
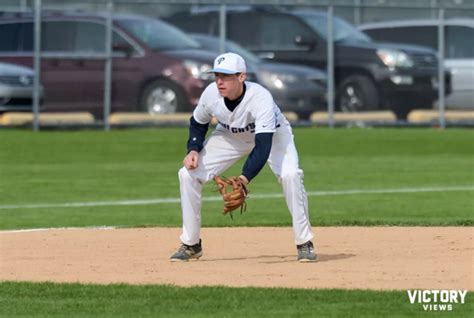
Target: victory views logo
[[437, 300]]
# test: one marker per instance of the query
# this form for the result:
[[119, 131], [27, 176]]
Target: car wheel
[[357, 93], [402, 109], [162, 97], [304, 115], [401, 112]]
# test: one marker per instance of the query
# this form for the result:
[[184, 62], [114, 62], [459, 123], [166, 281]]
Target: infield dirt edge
[[376, 258]]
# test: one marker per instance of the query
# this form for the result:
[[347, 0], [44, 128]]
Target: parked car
[[458, 50], [295, 88], [156, 67], [368, 75], [16, 88]]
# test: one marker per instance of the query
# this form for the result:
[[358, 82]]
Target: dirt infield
[[349, 257]]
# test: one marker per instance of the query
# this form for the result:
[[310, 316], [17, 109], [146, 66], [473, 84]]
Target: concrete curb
[[21, 119], [145, 118], [419, 116], [363, 116], [178, 118], [84, 119]]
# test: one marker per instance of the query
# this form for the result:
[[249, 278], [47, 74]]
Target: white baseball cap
[[229, 63]]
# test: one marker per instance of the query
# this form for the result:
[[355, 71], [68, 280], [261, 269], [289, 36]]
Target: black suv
[[368, 75]]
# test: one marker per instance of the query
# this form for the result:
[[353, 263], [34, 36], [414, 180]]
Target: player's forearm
[[259, 155], [197, 134]]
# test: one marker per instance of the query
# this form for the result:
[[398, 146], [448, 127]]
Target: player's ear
[[242, 77]]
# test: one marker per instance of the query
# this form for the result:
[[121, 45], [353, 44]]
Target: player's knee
[[291, 175]]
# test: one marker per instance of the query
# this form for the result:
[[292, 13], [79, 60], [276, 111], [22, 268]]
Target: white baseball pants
[[221, 150]]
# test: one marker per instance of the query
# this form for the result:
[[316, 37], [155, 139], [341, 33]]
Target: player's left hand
[[244, 179], [237, 194]]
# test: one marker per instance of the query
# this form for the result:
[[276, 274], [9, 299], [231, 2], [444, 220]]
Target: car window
[[248, 56], [201, 23], [343, 30], [279, 32], [213, 44], [26, 40], [458, 38], [459, 42], [82, 37], [244, 29], [158, 35], [419, 35], [58, 36], [23, 33], [9, 37], [90, 37], [118, 39]]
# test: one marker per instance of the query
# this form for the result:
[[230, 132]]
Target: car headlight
[[199, 70], [277, 80], [394, 58]]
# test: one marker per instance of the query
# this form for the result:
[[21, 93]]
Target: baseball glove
[[234, 192]]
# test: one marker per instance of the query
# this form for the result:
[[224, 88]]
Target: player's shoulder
[[210, 91], [210, 98]]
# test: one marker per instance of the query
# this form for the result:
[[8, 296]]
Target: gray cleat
[[306, 252], [187, 252]]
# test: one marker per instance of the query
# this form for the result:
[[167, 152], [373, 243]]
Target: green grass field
[[92, 166], [41, 173], [74, 300]]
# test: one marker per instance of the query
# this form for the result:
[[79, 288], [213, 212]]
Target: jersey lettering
[[235, 130]]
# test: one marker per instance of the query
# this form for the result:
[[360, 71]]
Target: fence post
[[441, 86], [357, 12], [108, 65], [37, 65], [222, 28], [330, 67]]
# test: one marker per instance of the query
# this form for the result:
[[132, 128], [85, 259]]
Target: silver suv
[[458, 52]]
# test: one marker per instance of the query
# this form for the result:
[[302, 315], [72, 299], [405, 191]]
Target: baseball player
[[249, 123]]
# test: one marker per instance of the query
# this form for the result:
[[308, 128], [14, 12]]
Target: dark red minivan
[[155, 67]]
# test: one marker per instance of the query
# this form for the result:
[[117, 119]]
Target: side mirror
[[309, 42], [124, 48]]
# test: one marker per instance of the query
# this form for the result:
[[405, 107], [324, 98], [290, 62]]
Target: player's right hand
[[191, 160]]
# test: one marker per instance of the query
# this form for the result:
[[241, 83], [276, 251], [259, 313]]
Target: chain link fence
[[111, 58]]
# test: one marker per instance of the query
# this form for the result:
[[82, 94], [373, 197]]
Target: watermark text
[[437, 300]]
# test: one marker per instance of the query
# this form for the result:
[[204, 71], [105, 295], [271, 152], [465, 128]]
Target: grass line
[[218, 198]]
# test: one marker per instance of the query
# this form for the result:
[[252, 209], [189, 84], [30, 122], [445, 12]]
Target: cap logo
[[219, 61]]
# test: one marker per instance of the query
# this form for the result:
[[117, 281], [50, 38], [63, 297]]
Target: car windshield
[[213, 43], [343, 31], [158, 35], [247, 55]]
